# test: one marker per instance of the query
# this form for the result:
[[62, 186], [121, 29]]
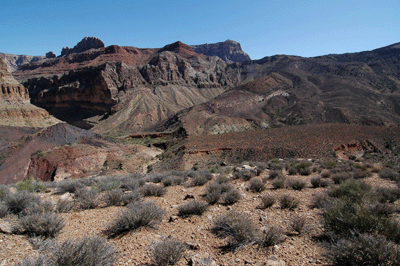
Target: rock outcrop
[[229, 51], [85, 44], [13, 62], [15, 108]]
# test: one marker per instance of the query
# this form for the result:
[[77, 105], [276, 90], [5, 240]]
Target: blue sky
[[263, 27]]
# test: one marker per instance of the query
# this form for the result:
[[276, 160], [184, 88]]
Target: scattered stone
[[6, 227], [274, 261], [201, 260]]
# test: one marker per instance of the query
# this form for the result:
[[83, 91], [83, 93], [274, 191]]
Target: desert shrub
[[297, 184], [390, 228], [3, 210], [149, 190], [64, 205], [267, 201], [325, 173], [130, 197], [113, 197], [237, 227], [173, 180], [68, 185], [31, 185], [352, 190], [387, 194], [389, 174], [87, 199], [167, 252], [3, 192], [292, 170], [213, 197], [360, 174], [40, 260], [17, 202], [340, 177], [364, 249], [244, 174], [275, 174], [321, 200], [37, 207], [156, 177], [46, 224], [383, 209], [206, 173], [192, 208], [137, 215], [288, 202], [275, 164], [199, 180], [256, 185], [271, 237], [131, 184], [107, 184], [279, 182], [88, 251], [316, 182], [297, 223], [231, 197], [330, 164], [221, 179], [344, 218]]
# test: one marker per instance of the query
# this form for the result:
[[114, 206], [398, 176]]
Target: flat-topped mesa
[[229, 51], [87, 43]]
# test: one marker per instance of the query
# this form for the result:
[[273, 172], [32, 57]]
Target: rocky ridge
[[85, 44]]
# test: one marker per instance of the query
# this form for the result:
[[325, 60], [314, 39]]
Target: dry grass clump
[[297, 223], [216, 191], [340, 177], [149, 190], [65, 205], [245, 174], [231, 197], [19, 201], [279, 182], [237, 228], [192, 208], [275, 174], [297, 184], [45, 225], [167, 252], [387, 194], [87, 199], [272, 236], [267, 201], [288, 202], [256, 185], [364, 249], [137, 215], [173, 180], [69, 185], [3, 210], [390, 174]]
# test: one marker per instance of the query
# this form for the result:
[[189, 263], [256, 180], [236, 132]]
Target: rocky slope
[[126, 90], [229, 51], [13, 62], [146, 85], [15, 108], [361, 88]]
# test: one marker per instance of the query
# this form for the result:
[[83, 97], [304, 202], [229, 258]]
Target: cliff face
[[15, 108], [229, 51], [153, 83], [13, 62]]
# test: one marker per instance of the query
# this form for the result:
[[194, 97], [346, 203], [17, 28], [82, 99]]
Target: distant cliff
[[13, 62], [229, 51]]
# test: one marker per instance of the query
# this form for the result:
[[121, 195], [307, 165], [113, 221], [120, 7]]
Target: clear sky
[[263, 27]]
